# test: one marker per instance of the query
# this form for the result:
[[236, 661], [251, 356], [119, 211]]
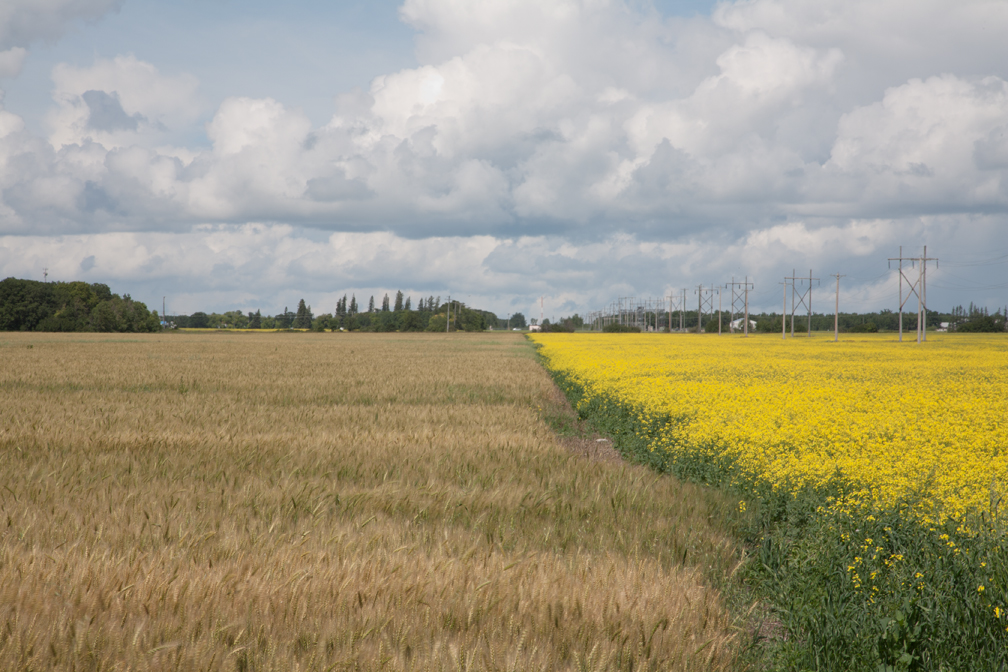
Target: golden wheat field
[[892, 422], [333, 501]]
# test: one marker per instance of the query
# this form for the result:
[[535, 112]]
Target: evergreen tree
[[353, 304], [406, 306], [255, 320], [370, 306], [385, 304], [303, 319], [398, 301]]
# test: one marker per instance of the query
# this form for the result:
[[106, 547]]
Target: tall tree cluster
[[303, 317], [30, 305]]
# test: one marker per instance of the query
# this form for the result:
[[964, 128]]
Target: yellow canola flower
[[898, 421]]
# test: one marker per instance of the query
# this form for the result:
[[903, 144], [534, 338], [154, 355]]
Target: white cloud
[[512, 129], [118, 102], [927, 144]]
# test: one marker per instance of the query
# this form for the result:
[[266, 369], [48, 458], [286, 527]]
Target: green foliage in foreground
[[29, 305], [853, 588]]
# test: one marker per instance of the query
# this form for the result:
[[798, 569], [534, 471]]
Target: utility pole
[[836, 314], [447, 314], [164, 318], [718, 310]]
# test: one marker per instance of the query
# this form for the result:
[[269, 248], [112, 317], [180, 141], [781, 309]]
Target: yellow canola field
[[895, 420]]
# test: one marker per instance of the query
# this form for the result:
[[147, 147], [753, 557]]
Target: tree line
[[974, 319], [30, 305], [396, 313]]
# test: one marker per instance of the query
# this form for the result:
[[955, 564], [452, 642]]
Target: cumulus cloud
[[930, 144], [509, 129], [118, 102], [556, 138]]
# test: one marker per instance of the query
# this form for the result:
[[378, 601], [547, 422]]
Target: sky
[[244, 155]]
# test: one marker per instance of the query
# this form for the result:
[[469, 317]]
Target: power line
[[982, 262]]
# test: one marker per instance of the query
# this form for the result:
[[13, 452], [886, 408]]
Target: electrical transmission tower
[[836, 315], [627, 308], [677, 302], [783, 312], [916, 288], [705, 297], [740, 294], [804, 298]]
